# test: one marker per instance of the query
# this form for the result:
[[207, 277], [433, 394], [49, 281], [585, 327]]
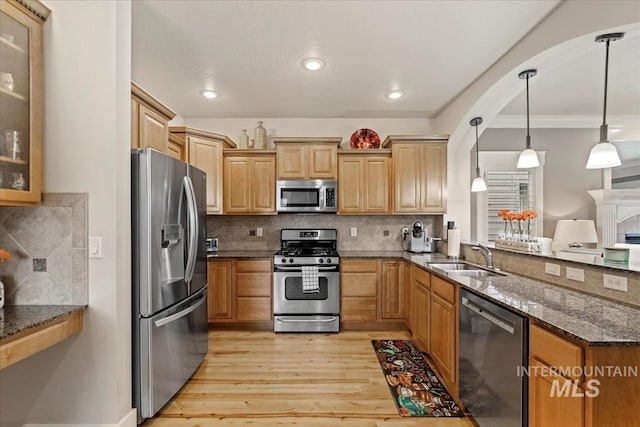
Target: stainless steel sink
[[473, 273], [453, 266], [457, 269]]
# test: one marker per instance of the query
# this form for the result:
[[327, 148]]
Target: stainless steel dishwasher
[[493, 345]]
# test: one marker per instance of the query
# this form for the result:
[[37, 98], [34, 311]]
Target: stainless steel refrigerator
[[169, 276]]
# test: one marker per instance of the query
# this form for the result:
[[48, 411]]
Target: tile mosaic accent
[[235, 232], [49, 245]]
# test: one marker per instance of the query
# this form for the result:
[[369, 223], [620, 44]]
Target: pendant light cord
[[606, 79], [477, 155], [528, 136]]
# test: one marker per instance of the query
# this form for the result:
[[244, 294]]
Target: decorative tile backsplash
[[234, 232], [48, 244]]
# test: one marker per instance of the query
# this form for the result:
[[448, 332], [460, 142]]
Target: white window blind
[[513, 190]]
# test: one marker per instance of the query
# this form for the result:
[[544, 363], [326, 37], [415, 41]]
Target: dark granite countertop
[[371, 254], [589, 319], [243, 254], [17, 318]]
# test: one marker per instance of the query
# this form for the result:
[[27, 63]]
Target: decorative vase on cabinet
[[261, 136], [244, 139], [21, 102]]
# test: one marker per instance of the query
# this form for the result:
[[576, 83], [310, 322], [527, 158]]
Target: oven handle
[[298, 269], [332, 319]]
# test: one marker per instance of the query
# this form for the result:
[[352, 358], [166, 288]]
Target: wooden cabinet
[[306, 158], [21, 102], [220, 288], [394, 290], [444, 329], [176, 148], [548, 406], [204, 150], [364, 181], [419, 173], [240, 290], [359, 287], [582, 391], [149, 121], [420, 317], [249, 182], [253, 290]]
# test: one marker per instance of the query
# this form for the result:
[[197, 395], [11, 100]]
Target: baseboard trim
[[129, 420]]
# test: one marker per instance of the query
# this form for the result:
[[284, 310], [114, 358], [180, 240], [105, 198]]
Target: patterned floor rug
[[415, 388]]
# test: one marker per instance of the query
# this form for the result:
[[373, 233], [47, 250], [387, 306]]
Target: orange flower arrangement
[[4, 255], [526, 215]]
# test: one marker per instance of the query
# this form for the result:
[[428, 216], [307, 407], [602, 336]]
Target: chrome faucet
[[486, 253]]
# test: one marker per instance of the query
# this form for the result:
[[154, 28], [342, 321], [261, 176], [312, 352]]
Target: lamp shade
[[478, 184], [575, 232], [603, 155], [528, 159]]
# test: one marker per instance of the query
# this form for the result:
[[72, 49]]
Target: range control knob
[[321, 260], [328, 260], [291, 260], [284, 260]]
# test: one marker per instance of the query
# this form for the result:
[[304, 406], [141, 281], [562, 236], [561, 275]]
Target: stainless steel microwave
[[307, 195]]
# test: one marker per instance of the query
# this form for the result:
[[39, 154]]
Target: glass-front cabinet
[[21, 101]]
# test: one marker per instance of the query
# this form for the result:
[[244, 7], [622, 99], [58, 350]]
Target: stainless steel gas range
[[306, 281]]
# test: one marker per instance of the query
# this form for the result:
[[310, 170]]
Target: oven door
[[288, 297]]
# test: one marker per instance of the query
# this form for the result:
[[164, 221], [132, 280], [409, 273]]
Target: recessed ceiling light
[[313, 64], [395, 94], [211, 94]]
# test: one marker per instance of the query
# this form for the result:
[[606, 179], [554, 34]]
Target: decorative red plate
[[365, 138]]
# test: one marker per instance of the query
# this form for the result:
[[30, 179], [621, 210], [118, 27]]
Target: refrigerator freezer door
[[159, 232], [199, 182], [172, 346]]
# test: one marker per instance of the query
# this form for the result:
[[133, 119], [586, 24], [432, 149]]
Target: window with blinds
[[513, 190]]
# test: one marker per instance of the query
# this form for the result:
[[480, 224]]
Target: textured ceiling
[[250, 52]]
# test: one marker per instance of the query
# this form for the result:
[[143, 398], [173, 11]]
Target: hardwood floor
[[311, 380]]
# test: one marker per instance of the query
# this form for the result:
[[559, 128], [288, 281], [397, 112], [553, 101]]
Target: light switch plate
[[259, 232], [354, 231], [576, 274], [95, 247], [553, 269]]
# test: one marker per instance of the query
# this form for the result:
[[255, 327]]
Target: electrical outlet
[[259, 231], [553, 269], [385, 233], [252, 233], [354, 231], [617, 283], [576, 274]]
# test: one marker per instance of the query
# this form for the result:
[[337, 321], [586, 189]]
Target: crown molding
[[564, 121]]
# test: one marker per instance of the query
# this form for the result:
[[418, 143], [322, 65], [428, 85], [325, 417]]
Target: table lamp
[[575, 232]]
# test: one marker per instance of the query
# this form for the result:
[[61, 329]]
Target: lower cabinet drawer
[[358, 309], [254, 309]]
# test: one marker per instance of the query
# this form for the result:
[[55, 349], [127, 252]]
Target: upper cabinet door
[[21, 103], [322, 162], [291, 161], [207, 155], [351, 184], [153, 129], [263, 185], [376, 185], [237, 190], [434, 178], [407, 177]]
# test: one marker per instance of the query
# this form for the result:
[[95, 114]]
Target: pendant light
[[528, 157], [604, 153], [478, 183]]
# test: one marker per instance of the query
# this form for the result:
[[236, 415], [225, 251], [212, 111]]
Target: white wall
[[313, 126], [566, 33], [87, 378]]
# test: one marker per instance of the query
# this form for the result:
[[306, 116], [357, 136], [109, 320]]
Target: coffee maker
[[417, 243]]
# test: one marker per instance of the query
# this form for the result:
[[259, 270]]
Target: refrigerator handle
[[180, 314], [192, 218]]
